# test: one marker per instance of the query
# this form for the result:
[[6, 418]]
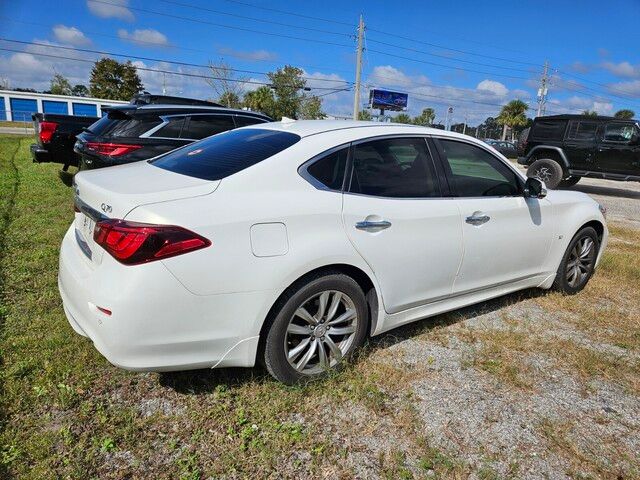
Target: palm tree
[[512, 115], [589, 113], [625, 114]]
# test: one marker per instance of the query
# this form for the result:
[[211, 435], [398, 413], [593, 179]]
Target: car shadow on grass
[[202, 381]]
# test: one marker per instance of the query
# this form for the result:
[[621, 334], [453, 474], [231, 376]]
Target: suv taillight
[[46, 131], [111, 149], [132, 243]]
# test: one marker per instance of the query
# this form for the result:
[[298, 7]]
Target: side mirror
[[534, 188]]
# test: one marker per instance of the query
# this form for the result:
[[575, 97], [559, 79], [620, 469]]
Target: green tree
[[512, 115], [402, 118], [80, 91], [625, 114], [60, 85], [426, 118], [261, 100], [230, 99], [287, 84], [114, 80], [589, 113], [311, 108], [365, 115]]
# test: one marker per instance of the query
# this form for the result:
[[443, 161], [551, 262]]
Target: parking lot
[[526, 386]]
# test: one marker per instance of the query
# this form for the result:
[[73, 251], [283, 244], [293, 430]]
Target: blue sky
[[474, 56]]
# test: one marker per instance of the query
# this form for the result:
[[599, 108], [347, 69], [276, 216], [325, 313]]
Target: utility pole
[[464, 126], [542, 91], [356, 99], [448, 118], [164, 83]]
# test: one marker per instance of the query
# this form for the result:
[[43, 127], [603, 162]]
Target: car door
[[618, 150], [580, 144], [396, 218], [506, 236]]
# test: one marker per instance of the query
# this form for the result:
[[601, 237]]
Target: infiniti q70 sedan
[[290, 243]]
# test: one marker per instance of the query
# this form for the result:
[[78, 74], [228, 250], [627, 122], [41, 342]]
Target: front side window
[[222, 155], [396, 167], [201, 126], [329, 170], [582, 131], [618, 132], [477, 173]]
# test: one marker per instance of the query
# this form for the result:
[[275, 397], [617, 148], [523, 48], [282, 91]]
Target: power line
[[299, 15], [150, 59], [155, 70], [471, 62], [262, 20], [179, 47], [221, 25]]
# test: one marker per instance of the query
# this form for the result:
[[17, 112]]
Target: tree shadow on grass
[[195, 382]]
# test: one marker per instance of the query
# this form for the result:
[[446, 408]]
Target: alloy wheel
[[321, 332], [543, 174], [580, 261]]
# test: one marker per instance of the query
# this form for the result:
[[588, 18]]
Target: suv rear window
[[548, 129], [118, 124], [222, 155]]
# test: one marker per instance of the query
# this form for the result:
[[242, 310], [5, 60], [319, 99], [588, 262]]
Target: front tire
[[317, 326], [547, 170], [578, 262]]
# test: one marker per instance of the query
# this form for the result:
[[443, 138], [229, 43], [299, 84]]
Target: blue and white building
[[18, 106]]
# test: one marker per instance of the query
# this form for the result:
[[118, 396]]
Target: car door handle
[[369, 226], [478, 218]]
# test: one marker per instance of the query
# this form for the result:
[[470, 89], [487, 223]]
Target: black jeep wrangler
[[561, 149]]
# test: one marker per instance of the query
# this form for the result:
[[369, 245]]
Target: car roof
[[306, 128], [570, 116], [173, 108]]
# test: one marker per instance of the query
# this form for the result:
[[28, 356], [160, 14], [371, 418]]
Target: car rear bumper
[[156, 324], [39, 154]]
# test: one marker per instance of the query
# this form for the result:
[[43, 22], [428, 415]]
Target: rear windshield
[[121, 124], [226, 153]]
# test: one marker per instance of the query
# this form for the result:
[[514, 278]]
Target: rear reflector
[[111, 149], [46, 131], [133, 243]]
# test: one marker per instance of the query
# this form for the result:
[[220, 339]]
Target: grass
[[67, 413], [4, 123]]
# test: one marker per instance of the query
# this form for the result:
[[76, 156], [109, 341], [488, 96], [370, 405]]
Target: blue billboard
[[387, 100]]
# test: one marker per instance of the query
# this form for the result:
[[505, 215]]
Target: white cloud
[[630, 88], [622, 69], [388, 76], [254, 55], [111, 9], [145, 37], [70, 36], [494, 87]]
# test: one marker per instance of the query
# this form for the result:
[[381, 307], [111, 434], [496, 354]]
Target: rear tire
[[578, 262], [316, 326], [569, 182], [547, 170]]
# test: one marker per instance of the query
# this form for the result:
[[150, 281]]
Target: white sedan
[[290, 243]]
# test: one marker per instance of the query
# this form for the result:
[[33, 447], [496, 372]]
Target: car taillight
[[111, 149], [46, 131], [132, 243]]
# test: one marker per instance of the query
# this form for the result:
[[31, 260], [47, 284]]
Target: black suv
[[561, 149], [145, 129]]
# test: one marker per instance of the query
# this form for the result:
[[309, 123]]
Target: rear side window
[[201, 126], [548, 130], [582, 130], [222, 155], [329, 171], [395, 167], [242, 121], [133, 126], [172, 129]]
